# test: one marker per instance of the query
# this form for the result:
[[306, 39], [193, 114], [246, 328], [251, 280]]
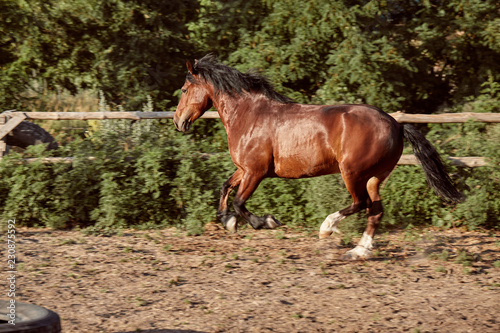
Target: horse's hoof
[[327, 233], [271, 222], [232, 224], [324, 234], [358, 253]]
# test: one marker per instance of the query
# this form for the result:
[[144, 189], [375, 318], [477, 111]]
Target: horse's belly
[[303, 166], [303, 150]]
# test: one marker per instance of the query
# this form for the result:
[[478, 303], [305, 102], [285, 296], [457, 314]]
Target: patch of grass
[[280, 235], [440, 269], [167, 247], [248, 249], [322, 266], [346, 240], [298, 315], [338, 286], [249, 236], [74, 276], [464, 258], [68, 242], [411, 236], [443, 256], [175, 281], [496, 264], [139, 301]]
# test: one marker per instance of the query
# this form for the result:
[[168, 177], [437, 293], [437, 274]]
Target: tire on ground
[[29, 318], [26, 134]]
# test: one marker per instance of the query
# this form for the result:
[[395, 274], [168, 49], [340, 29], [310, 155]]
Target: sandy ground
[[261, 281]]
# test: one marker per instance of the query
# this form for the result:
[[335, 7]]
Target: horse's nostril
[[185, 126]]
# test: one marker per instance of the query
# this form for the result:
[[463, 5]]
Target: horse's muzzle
[[182, 125]]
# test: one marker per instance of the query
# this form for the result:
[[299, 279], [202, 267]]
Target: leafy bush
[[145, 174]]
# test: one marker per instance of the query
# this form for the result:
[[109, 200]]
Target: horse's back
[[315, 140]]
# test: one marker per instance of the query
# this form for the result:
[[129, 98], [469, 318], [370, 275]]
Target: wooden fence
[[10, 119]]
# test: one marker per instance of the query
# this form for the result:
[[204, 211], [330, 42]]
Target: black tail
[[432, 164]]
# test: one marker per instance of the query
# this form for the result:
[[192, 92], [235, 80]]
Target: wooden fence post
[[7, 124], [3, 145]]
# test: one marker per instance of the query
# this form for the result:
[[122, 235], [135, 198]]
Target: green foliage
[[121, 47], [145, 174], [418, 56], [415, 56], [142, 174]]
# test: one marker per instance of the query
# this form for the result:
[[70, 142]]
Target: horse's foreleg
[[248, 185], [228, 218]]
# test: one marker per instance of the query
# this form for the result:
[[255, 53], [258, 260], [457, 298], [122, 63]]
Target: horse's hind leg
[[248, 185], [360, 200], [375, 212], [228, 218]]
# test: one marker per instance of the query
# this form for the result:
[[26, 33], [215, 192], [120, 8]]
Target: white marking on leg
[[366, 241], [329, 225], [271, 222], [231, 224], [363, 249]]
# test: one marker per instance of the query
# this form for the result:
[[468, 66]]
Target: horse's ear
[[189, 67]]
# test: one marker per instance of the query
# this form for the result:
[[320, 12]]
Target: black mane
[[229, 80]]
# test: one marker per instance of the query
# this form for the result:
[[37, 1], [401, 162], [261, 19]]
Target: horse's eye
[[184, 91]]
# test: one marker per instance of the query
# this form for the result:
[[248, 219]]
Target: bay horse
[[269, 135]]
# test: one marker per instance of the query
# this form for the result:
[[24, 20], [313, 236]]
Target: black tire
[[29, 318], [26, 134]]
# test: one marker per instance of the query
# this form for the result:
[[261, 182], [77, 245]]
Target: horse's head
[[195, 100]]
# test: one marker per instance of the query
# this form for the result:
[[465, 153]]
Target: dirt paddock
[[266, 281]]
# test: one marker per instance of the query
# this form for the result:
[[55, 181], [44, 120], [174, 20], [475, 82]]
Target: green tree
[[128, 49], [409, 55]]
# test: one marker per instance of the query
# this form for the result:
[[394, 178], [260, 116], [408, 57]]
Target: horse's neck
[[227, 106], [234, 108]]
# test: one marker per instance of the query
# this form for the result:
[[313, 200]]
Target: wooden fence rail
[[10, 119], [138, 115], [471, 162]]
